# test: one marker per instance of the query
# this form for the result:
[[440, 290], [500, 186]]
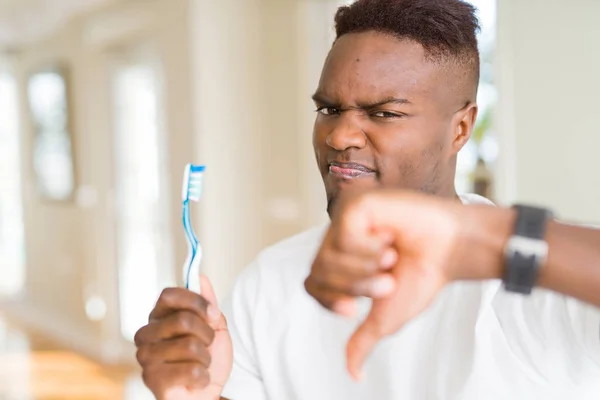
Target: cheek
[[319, 138], [401, 164], [410, 157]]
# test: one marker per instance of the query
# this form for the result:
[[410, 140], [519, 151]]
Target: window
[[53, 164], [143, 230], [12, 243]]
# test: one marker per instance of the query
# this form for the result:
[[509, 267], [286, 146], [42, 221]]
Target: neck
[[448, 192]]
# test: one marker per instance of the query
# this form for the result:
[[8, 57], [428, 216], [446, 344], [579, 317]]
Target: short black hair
[[447, 29]]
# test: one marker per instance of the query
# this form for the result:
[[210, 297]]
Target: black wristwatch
[[526, 250]]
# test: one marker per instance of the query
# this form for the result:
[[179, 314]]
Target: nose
[[346, 134]]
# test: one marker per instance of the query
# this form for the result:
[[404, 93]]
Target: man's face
[[387, 117]]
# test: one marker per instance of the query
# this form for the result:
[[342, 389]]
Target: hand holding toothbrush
[[185, 350]]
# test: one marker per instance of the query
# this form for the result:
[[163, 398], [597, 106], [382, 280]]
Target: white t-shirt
[[475, 342]]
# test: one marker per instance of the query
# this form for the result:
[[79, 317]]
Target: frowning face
[[388, 117]]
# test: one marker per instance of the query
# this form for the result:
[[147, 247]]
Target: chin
[[343, 186]]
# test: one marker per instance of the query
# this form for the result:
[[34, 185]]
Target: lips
[[349, 170]]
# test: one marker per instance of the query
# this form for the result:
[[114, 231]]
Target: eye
[[386, 115], [328, 110]]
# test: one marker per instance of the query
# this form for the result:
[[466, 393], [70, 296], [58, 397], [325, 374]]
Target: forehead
[[372, 65]]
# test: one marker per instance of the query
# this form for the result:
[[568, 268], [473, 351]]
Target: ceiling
[[22, 21]]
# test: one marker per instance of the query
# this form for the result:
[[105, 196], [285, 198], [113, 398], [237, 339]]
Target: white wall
[[548, 120], [256, 64], [228, 126]]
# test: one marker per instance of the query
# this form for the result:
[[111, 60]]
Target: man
[[396, 103]]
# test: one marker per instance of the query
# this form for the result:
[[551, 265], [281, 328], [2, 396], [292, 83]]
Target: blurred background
[[103, 102]]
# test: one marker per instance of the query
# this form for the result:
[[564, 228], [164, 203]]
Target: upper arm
[[245, 380]]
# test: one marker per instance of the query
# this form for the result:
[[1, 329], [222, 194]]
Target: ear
[[464, 121]]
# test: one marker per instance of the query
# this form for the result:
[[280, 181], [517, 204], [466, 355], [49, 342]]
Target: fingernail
[[382, 287], [388, 259], [359, 376], [345, 308], [213, 313], [386, 237]]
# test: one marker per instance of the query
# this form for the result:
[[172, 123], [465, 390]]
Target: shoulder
[[280, 268], [293, 253], [472, 199], [266, 289]]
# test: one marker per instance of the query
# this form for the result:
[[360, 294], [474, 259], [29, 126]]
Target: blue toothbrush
[[193, 179]]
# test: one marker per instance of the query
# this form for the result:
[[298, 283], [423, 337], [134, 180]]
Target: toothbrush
[[193, 178]]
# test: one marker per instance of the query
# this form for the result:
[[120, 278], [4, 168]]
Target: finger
[[413, 294], [216, 318], [161, 378], [207, 290], [212, 391], [388, 259], [182, 349], [337, 279], [331, 300], [183, 323], [350, 274], [362, 342], [353, 229], [353, 266], [378, 287], [177, 299], [345, 307], [357, 240]]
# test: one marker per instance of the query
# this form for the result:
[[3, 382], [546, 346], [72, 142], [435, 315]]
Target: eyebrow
[[322, 99]]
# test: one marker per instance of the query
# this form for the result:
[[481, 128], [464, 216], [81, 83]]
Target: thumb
[[207, 290], [362, 342], [217, 319]]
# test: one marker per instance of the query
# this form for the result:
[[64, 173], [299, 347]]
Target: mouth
[[349, 170]]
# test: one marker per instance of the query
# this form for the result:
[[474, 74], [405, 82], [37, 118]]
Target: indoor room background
[[103, 103]]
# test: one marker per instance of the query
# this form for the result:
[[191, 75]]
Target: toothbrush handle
[[193, 272]]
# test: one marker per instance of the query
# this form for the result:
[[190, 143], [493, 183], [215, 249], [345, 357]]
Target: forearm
[[571, 268], [573, 264]]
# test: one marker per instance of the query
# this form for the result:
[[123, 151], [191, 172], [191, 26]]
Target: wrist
[[484, 232]]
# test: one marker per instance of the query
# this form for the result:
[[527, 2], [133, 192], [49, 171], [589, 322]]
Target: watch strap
[[526, 250]]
